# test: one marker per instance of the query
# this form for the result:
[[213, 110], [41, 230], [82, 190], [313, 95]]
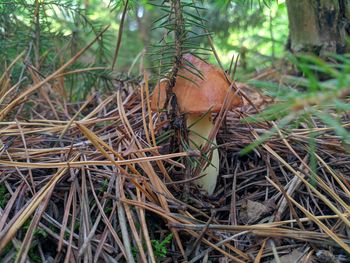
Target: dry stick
[[201, 235], [321, 182], [6, 86], [285, 194], [27, 156], [233, 204], [273, 229], [68, 205], [141, 219], [325, 187], [101, 241], [10, 90], [9, 205], [41, 252], [96, 224], [80, 71], [261, 252], [233, 213], [88, 100], [200, 212], [144, 122], [78, 164], [21, 174], [56, 128], [100, 145], [132, 224], [234, 70], [85, 219], [109, 225], [329, 232], [170, 161], [155, 180], [140, 54], [57, 224], [339, 181], [231, 64], [99, 107], [144, 226], [218, 244], [170, 218], [26, 243], [295, 182], [274, 251], [120, 34], [30, 90], [151, 128], [104, 235], [308, 258], [69, 249], [305, 236], [122, 219], [54, 234], [87, 241], [19, 219], [194, 178]]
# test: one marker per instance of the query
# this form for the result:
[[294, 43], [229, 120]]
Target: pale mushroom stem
[[199, 130]]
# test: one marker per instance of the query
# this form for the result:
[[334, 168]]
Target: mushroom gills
[[199, 130]]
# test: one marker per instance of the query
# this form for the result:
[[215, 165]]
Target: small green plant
[[104, 186], [160, 248], [108, 207], [3, 196], [6, 250], [34, 255], [38, 232]]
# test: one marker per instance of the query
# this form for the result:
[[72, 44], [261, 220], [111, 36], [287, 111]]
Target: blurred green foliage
[[258, 32], [51, 32]]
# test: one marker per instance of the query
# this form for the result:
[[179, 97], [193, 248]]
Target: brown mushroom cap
[[200, 94]]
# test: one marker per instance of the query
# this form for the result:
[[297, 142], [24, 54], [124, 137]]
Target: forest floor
[[96, 180]]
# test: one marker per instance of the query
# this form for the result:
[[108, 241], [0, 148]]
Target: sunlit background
[[257, 31]]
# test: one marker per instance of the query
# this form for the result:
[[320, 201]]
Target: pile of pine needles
[[96, 181]]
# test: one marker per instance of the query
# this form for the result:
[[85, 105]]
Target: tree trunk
[[318, 26]]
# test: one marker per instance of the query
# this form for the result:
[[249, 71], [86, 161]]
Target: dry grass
[[89, 181]]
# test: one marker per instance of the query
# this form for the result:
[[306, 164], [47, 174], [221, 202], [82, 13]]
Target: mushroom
[[198, 98]]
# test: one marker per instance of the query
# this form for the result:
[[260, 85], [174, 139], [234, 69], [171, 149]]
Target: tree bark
[[318, 26]]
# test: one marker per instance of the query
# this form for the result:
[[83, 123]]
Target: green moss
[[4, 196], [160, 248]]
